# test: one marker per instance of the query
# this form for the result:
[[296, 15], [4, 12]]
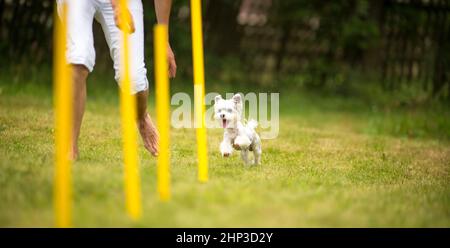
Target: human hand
[[128, 25], [172, 62]]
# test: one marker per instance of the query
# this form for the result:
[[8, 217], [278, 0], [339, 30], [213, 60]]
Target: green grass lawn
[[336, 163]]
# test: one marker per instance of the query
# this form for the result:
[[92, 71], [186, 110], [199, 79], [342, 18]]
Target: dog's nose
[[222, 116]]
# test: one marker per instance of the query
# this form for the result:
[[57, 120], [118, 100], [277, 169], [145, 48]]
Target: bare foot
[[149, 134]]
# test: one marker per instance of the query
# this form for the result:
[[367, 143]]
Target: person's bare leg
[[146, 127], [80, 74]]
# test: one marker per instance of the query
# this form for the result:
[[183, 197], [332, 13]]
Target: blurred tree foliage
[[346, 30]]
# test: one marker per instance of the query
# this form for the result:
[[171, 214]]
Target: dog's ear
[[217, 98], [237, 99]]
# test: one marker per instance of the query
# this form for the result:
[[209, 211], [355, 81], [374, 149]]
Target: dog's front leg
[[225, 147]]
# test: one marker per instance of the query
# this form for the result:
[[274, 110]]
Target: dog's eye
[[229, 110]]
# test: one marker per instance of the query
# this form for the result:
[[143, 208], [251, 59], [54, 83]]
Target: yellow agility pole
[[63, 103], [128, 118], [162, 109], [199, 89]]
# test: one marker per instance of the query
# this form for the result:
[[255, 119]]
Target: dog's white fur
[[237, 135]]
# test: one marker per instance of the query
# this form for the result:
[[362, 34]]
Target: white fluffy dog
[[237, 135]]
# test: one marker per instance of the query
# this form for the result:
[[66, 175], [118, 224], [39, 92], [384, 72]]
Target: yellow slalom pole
[[162, 109], [199, 89], [128, 118], [62, 83]]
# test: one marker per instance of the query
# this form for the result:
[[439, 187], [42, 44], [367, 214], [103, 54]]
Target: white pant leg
[[138, 71], [80, 40]]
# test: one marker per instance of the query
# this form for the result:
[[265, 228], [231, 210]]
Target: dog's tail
[[252, 124]]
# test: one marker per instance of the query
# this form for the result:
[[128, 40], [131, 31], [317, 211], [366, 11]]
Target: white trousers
[[80, 45]]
